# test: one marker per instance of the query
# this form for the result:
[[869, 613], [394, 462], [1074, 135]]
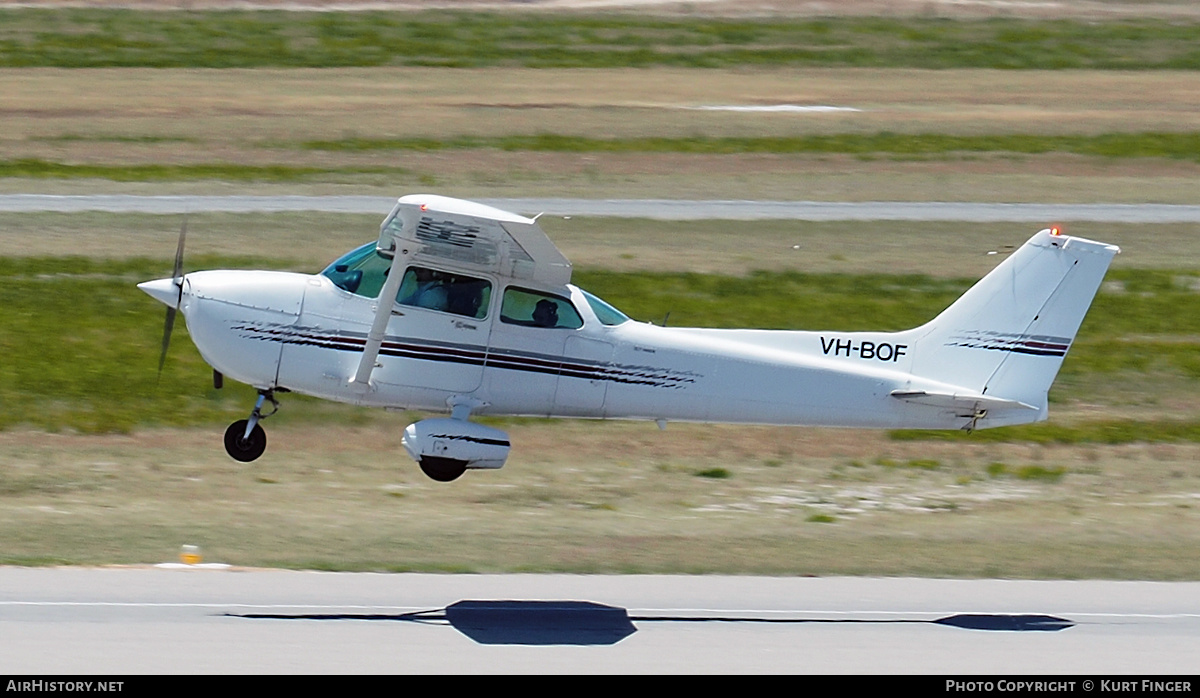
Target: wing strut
[[402, 251]]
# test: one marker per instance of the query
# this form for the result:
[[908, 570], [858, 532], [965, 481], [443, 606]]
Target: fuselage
[[306, 333]]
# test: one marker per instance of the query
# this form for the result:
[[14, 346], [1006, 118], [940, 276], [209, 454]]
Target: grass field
[[223, 39], [308, 241], [95, 468], [692, 499], [101, 462], [1075, 136]]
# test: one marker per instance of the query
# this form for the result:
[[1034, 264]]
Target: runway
[[185, 621], [662, 209]]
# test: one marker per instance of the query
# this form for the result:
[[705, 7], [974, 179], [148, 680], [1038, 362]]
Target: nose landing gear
[[245, 439]]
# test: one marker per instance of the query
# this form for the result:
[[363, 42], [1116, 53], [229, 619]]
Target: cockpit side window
[[445, 292], [363, 271], [536, 309]]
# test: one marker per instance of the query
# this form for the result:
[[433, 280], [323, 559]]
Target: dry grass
[[475, 174], [261, 118], [247, 106], [628, 498], [312, 240]]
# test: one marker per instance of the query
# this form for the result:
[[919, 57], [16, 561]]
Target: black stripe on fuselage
[[470, 439], [474, 355]]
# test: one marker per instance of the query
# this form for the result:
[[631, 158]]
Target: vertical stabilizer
[[1007, 336]]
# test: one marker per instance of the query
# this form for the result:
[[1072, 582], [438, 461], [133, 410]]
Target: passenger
[[465, 299], [545, 313]]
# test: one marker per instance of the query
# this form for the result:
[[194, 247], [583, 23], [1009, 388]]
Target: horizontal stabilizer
[[960, 401]]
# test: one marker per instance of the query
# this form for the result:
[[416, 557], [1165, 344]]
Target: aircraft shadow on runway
[[588, 623]]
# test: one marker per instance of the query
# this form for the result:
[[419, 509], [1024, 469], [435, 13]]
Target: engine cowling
[[446, 448]]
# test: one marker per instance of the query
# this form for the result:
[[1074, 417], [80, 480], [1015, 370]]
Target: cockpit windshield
[[360, 271], [605, 313]]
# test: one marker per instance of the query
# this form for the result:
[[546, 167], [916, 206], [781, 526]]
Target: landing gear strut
[[245, 439]]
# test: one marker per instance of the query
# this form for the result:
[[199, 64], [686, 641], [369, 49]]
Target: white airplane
[[478, 317]]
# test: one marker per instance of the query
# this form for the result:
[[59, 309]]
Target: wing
[[473, 237]]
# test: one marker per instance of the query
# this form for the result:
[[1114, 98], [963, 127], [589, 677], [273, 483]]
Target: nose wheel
[[242, 447], [245, 439]]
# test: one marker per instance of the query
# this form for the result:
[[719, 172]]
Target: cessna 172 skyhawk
[[465, 308]]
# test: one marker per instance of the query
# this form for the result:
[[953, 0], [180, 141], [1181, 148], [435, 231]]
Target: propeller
[[177, 279]]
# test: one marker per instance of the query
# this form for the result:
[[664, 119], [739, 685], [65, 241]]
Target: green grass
[[76, 38], [777, 300], [1151, 302], [1184, 145], [80, 351], [81, 346], [81, 343], [1177, 146], [1113, 356], [1042, 473], [1039, 473], [42, 169], [1103, 431], [113, 138]]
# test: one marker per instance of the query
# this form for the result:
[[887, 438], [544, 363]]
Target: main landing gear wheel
[[241, 448], [443, 469]]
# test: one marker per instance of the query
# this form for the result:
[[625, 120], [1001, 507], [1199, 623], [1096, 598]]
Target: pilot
[[545, 313], [430, 291]]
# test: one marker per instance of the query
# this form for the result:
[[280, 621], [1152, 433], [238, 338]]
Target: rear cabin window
[[536, 309]]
